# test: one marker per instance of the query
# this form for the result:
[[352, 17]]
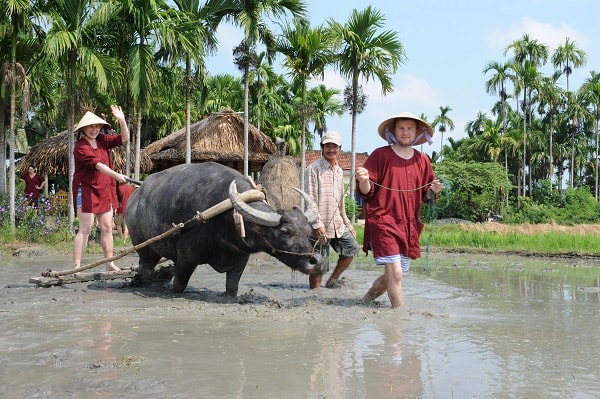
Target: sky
[[447, 46]]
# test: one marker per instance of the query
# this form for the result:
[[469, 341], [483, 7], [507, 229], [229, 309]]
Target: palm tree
[[306, 52], [363, 53], [474, 128], [490, 142], [549, 98], [443, 121], [224, 91], [324, 103], [591, 88], [567, 56], [497, 84], [528, 54], [250, 16], [579, 116], [205, 19], [263, 75]]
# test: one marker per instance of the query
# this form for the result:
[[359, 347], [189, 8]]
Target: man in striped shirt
[[324, 181]]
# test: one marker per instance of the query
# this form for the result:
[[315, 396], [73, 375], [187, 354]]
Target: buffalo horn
[[311, 210], [251, 214]]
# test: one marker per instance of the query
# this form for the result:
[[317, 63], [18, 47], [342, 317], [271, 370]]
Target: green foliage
[[572, 206], [472, 189], [352, 207]]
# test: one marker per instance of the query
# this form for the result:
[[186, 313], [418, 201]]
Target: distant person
[[393, 183], [324, 181], [94, 187], [33, 184], [123, 194]]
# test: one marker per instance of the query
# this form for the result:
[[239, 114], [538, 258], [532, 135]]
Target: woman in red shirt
[[94, 187], [33, 184]]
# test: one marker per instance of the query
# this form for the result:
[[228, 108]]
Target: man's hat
[[424, 129], [332, 137], [90, 119]]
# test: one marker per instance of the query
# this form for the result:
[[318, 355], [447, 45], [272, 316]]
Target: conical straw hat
[[90, 119], [390, 122]]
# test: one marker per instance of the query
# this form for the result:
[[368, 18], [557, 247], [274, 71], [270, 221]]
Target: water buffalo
[[175, 195]]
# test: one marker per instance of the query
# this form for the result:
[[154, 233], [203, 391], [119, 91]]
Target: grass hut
[[218, 138], [51, 157], [278, 177]]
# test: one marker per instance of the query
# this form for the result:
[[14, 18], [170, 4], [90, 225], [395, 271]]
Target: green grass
[[457, 238]]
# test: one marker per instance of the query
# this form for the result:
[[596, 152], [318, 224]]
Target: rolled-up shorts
[[78, 198], [346, 245], [404, 261]]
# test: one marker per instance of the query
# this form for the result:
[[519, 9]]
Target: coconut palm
[[365, 53], [250, 16], [443, 122]]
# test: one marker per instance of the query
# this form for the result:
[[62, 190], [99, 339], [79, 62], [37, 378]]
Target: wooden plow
[[51, 278]]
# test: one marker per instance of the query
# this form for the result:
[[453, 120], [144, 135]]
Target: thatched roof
[[218, 138], [50, 156]]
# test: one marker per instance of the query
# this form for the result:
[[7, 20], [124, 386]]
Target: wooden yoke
[[225, 205]]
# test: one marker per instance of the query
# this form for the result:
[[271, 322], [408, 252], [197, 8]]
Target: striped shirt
[[325, 184]]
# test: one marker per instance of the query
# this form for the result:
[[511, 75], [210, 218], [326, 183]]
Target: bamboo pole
[[225, 205]]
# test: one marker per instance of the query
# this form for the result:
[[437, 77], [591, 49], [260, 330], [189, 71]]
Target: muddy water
[[473, 327]]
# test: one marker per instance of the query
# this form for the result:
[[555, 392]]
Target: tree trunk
[[188, 143], [246, 121], [11, 145], [138, 142]]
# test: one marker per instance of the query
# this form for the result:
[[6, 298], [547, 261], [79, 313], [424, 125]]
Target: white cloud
[[546, 33]]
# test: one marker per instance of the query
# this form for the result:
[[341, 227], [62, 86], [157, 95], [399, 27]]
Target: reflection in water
[[391, 370], [538, 325], [96, 336]]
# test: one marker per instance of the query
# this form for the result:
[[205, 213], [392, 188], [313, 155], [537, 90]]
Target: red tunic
[[125, 192], [30, 183], [392, 224], [98, 191]]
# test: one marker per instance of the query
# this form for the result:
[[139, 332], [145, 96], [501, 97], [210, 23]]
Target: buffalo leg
[[183, 272], [233, 274], [147, 262]]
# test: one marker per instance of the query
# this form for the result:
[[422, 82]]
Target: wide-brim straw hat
[[390, 123], [90, 119]]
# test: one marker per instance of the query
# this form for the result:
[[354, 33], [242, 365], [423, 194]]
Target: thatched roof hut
[[218, 138], [50, 157]]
